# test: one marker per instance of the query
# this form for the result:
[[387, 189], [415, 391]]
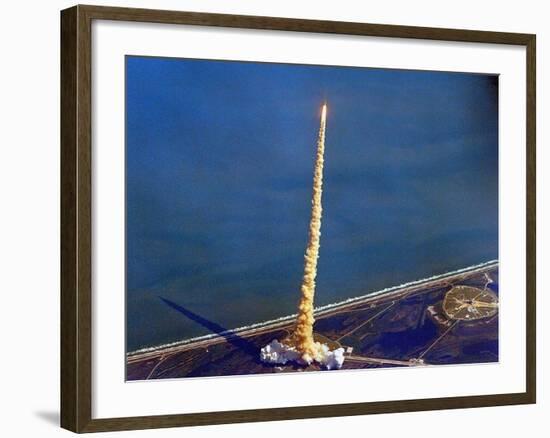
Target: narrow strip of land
[[403, 327], [346, 306]]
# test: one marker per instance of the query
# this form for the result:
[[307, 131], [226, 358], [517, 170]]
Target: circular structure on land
[[466, 303]]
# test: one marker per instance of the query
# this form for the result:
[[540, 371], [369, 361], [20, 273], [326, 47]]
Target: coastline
[[278, 323]]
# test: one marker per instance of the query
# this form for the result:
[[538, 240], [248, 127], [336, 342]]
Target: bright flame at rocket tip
[[324, 110]]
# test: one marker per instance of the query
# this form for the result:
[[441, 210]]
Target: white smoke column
[[303, 334]]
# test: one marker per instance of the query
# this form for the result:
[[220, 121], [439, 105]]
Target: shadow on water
[[229, 335]]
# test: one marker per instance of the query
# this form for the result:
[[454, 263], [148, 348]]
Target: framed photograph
[[269, 218]]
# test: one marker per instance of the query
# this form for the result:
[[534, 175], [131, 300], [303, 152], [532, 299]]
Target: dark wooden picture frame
[[76, 218]]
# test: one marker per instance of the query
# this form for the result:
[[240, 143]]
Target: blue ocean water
[[219, 160]]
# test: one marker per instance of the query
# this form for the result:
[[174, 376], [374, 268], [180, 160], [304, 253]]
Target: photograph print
[[287, 218]]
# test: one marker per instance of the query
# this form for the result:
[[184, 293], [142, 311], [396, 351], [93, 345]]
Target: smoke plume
[[300, 346], [303, 333]]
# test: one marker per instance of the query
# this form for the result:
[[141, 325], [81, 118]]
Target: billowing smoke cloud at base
[[279, 353]]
